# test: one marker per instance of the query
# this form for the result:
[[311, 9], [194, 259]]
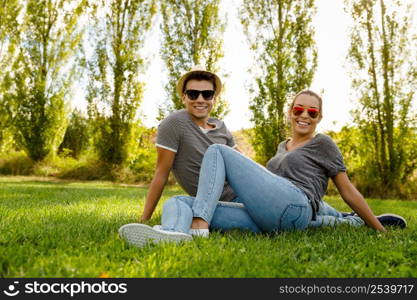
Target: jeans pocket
[[294, 217]]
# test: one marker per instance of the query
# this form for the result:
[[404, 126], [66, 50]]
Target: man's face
[[198, 108]]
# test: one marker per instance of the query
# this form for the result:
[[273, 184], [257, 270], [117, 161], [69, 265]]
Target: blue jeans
[[329, 216], [270, 202], [177, 215]]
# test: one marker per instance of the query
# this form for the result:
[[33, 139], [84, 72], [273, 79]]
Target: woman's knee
[[218, 147]]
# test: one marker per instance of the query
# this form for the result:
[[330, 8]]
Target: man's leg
[[177, 215]]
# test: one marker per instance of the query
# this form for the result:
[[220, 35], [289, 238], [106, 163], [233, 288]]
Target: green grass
[[69, 229]]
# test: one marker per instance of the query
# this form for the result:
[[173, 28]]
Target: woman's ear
[[320, 117]]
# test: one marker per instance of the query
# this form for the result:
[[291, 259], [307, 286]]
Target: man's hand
[[144, 219]]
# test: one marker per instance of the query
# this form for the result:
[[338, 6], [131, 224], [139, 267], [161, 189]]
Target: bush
[[143, 166], [138, 169], [16, 163], [85, 169], [87, 166]]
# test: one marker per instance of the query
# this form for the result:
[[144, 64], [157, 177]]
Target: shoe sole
[[140, 235], [402, 225]]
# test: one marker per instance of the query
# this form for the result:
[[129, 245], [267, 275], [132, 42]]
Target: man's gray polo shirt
[[179, 134]]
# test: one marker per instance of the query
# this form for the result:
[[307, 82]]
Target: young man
[[184, 136]]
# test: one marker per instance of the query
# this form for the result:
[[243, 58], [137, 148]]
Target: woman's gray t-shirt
[[310, 166]]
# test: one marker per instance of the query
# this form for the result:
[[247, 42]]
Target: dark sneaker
[[392, 220]]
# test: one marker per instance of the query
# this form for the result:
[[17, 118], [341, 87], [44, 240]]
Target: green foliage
[[69, 229], [282, 37], [7, 142], [9, 12], [115, 90], [87, 166], [243, 139], [76, 136], [192, 34], [352, 142], [15, 163], [41, 75], [384, 63], [143, 161]]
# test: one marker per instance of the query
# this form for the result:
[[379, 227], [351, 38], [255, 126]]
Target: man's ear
[[183, 99]]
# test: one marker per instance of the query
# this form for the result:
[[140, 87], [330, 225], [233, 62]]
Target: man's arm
[[164, 164], [355, 200]]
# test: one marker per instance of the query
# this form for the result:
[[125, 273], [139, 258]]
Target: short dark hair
[[199, 76]]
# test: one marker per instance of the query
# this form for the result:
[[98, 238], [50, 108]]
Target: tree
[[76, 136], [42, 73], [115, 90], [282, 38], [9, 12], [192, 34], [384, 71]]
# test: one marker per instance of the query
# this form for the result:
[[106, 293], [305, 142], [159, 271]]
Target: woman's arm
[[355, 200]]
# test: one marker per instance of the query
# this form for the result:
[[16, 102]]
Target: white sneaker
[[157, 227], [193, 232], [140, 234], [200, 232]]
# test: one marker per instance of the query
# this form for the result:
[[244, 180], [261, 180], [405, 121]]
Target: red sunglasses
[[312, 112]]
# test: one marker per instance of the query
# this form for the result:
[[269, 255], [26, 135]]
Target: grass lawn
[[69, 229]]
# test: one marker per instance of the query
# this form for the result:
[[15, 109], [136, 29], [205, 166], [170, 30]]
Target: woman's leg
[[326, 209], [329, 216], [273, 202], [177, 215], [322, 221], [232, 215]]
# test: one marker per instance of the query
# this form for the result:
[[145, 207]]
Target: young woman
[[286, 195]]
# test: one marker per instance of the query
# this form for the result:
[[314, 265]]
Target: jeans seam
[[178, 213], [212, 181], [286, 211]]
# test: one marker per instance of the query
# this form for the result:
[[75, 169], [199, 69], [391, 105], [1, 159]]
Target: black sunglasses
[[193, 94]]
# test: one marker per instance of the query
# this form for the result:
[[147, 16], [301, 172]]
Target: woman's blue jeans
[[265, 202]]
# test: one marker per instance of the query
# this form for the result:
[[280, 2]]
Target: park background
[[83, 85]]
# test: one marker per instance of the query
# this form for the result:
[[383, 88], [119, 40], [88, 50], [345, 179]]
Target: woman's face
[[305, 115]]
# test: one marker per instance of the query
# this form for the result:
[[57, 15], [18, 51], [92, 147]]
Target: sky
[[331, 79]]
